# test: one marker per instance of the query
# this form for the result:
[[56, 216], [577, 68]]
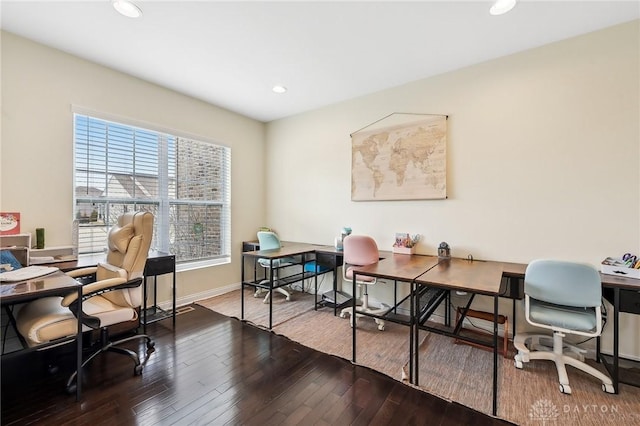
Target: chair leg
[[106, 345], [559, 357], [364, 307]]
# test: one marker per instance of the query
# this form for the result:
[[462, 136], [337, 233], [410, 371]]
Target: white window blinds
[[184, 182]]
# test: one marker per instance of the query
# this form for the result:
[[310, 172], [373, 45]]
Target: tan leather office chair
[[112, 298]]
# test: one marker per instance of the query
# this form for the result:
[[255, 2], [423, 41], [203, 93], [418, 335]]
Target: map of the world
[[402, 162]]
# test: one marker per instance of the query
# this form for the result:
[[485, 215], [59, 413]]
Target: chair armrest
[[82, 272], [100, 287], [94, 289]]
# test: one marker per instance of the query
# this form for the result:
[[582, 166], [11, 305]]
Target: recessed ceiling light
[[279, 89], [127, 8], [502, 6]]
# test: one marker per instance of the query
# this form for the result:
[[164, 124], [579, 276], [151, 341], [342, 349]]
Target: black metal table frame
[[78, 337]]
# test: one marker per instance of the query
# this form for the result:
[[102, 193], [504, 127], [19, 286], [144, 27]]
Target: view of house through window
[[185, 183]]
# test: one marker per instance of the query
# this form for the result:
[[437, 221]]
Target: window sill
[[199, 264]]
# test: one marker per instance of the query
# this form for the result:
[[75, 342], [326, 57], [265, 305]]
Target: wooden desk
[[396, 267], [619, 286], [305, 251], [472, 276], [56, 284]]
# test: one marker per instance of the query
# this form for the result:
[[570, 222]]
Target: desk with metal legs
[[396, 267], [56, 284], [617, 285], [306, 253], [471, 276]]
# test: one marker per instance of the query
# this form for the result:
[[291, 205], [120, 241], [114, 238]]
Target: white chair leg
[[559, 357], [278, 290]]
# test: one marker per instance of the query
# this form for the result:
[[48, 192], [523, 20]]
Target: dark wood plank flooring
[[217, 370]]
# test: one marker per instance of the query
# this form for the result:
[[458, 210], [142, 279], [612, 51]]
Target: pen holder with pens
[[622, 267]]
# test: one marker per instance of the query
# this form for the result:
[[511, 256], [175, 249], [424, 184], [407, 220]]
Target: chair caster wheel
[[517, 362], [288, 299], [151, 347], [71, 389], [566, 389], [381, 327], [343, 315], [608, 388], [137, 370]]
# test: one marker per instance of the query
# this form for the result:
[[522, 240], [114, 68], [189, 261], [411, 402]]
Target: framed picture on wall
[[9, 223], [400, 159]]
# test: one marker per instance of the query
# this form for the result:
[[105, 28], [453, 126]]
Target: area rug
[[457, 372]]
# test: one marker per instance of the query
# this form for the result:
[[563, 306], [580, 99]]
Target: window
[[184, 182]]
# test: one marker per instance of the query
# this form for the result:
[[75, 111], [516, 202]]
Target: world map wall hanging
[[400, 161]]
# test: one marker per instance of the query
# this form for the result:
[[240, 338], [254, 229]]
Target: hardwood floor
[[217, 370]]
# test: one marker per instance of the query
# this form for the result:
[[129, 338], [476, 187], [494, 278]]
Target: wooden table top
[[476, 276], [401, 267], [57, 283], [287, 249]]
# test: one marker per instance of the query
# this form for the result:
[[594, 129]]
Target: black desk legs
[[79, 347], [616, 325], [270, 293], [242, 290], [353, 319], [495, 354], [413, 346], [413, 333], [144, 306]]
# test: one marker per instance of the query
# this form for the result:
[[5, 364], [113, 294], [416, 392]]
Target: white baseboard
[[191, 298]]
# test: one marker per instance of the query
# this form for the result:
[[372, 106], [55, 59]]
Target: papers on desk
[[28, 273]]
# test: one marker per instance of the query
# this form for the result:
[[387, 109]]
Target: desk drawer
[[160, 265], [629, 299]]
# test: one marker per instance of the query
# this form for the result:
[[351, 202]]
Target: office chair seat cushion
[[108, 312], [569, 318], [277, 263], [361, 278], [44, 320]]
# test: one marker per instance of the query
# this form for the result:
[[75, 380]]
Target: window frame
[[167, 202]]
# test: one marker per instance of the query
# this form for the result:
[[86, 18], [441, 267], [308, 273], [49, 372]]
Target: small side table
[[158, 263]]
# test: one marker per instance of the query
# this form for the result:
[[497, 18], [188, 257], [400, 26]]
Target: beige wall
[[543, 155], [39, 87], [543, 160]]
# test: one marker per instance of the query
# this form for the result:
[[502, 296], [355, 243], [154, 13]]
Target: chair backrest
[[360, 250], [268, 240], [129, 241], [563, 283]]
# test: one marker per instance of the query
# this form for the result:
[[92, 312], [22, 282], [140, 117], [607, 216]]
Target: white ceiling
[[231, 53]]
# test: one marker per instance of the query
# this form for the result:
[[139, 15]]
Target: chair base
[[280, 290], [366, 308], [106, 345], [529, 347]]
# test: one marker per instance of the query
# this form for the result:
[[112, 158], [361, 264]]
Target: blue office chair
[[268, 241], [566, 298]]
